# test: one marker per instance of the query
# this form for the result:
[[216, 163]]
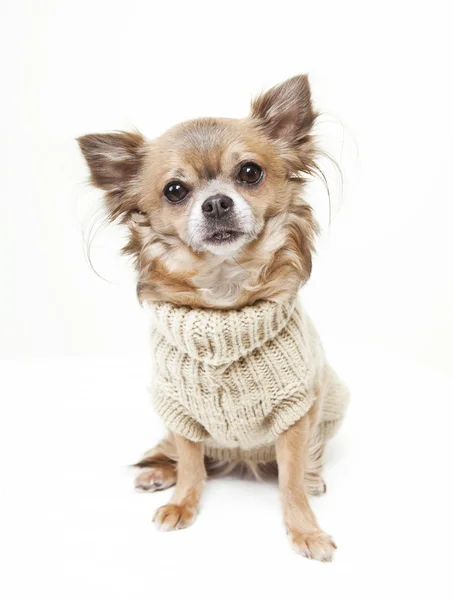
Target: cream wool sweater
[[236, 379]]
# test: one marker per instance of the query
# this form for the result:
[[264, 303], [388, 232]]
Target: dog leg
[[190, 480], [304, 533], [314, 481]]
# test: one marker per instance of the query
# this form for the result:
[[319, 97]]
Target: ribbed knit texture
[[236, 379]]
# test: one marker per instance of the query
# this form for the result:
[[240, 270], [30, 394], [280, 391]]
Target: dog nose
[[217, 206]]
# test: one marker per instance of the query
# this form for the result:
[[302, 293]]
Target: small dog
[[222, 241]]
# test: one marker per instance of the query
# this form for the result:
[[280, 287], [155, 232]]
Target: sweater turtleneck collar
[[218, 337]]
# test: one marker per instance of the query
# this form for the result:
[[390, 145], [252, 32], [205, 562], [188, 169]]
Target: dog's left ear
[[285, 112]]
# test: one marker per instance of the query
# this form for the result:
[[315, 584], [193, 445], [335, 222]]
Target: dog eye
[[250, 173], [175, 191]]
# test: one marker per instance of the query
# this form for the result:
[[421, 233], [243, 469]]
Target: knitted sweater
[[236, 379]]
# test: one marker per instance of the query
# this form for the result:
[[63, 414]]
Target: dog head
[[212, 192]]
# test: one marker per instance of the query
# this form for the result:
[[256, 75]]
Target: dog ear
[[114, 159], [285, 112]]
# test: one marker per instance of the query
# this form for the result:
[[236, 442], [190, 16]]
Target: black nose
[[217, 206]]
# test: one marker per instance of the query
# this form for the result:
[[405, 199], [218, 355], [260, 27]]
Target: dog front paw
[[174, 516], [315, 545]]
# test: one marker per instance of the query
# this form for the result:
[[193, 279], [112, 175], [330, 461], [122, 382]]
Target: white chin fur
[[227, 248]]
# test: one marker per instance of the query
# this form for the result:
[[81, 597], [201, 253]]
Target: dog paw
[[315, 545], [154, 479], [174, 516], [315, 485]]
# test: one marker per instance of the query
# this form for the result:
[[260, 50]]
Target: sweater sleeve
[[336, 400], [177, 419], [294, 403]]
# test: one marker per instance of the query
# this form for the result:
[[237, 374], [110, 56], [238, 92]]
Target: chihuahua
[[220, 234]]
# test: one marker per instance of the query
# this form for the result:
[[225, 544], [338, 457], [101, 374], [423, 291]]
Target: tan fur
[[158, 467], [271, 264], [197, 152], [191, 477], [304, 533]]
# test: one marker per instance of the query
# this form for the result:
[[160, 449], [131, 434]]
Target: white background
[[73, 380]]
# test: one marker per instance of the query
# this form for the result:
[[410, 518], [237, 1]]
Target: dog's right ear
[[114, 159]]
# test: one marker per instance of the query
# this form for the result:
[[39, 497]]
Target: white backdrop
[[383, 276], [382, 287]]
